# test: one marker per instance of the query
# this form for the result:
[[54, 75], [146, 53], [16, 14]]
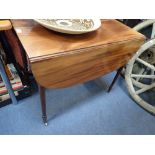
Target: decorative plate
[[70, 26]]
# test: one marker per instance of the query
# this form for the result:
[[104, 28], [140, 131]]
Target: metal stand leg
[[43, 103], [115, 78], [7, 82]]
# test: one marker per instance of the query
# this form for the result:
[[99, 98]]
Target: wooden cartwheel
[[140, 71]]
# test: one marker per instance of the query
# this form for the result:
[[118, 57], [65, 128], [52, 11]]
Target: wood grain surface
[[60, 60]]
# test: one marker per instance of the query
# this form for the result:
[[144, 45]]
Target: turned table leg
[[43, 103], [115, 78]]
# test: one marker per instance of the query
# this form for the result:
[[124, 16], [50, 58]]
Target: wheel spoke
[[152, 73], [138, 84], [141, 72], [143, 76], [146, 64], [153, 31], [145, 89]]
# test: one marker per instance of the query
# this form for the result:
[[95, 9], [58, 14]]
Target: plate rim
[[97, 24]]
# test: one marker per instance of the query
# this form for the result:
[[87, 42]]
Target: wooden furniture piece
[[60, 60], [6, 25]]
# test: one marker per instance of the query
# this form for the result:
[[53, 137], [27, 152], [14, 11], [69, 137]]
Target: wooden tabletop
[[60, 60], [41, 43]]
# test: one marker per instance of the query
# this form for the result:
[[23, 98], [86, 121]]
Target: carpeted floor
[[82, 109]]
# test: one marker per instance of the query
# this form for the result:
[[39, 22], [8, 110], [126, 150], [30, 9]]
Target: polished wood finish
[[60, 60], [83, 66], [5, 25]]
